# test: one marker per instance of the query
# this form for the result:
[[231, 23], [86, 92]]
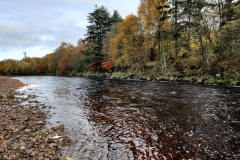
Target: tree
[[128, 47], [40, 69], [1, 68], [100, 23], [108, 65], [25, 67], [62, 65], [227, 12], [228, 44], [78, 62], [154, 14], [106, 40], [176, 27], [9, 66], [116, 17]]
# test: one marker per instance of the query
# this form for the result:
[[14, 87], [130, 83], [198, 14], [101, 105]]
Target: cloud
[[31, 25]]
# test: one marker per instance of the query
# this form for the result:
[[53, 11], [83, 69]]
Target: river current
[[124, 119]]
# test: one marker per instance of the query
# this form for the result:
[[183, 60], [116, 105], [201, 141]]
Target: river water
[[120, 119]]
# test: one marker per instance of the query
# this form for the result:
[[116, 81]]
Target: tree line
[[174, 38]]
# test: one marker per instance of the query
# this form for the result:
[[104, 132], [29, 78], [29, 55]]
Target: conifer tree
[[116, 17], [100, 22]]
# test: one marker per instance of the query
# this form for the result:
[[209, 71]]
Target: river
[[124, 119]]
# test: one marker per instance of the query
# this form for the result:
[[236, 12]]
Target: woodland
[[194, 41]]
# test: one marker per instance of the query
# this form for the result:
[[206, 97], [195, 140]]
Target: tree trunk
[[164, 63], [175, 29]]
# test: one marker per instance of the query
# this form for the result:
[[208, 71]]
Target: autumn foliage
[[108, 65], [62, 64], [176, 38], [40, 69], [93, 66]]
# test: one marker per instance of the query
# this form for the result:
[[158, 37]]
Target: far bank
[[169, 77]]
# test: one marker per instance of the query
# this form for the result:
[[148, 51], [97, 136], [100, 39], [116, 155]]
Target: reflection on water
[[135, 120]]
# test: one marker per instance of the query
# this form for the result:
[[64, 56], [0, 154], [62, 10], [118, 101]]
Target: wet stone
[[22, 148], [27, 130], [23, 131]]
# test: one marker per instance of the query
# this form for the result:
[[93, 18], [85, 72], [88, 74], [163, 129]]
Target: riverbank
[[203, 79], [23, 131]]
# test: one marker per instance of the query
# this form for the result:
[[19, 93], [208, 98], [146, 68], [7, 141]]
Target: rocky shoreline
[[23, 131]]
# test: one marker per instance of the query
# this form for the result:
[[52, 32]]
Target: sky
[[38, 27]]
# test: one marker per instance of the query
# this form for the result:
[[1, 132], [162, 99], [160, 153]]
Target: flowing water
[[120, 119]]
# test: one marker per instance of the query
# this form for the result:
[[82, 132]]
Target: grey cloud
[[14, 36], [32, 23]]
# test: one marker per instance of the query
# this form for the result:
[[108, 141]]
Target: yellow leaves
[[153, 64], [129, 46], [194, 45], [116, 45], [122, 45], [149, 13], [129, 25]]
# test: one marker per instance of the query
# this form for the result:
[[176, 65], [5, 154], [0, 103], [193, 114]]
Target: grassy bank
[[167, 76]]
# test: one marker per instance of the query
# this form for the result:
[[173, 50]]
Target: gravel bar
[[23, 131]]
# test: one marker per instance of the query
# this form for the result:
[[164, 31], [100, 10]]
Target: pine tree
[[100, 23], [116, 17]]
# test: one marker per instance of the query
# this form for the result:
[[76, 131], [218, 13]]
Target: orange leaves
[[62, 64], [108, 65], [94, 66], [40, 69]]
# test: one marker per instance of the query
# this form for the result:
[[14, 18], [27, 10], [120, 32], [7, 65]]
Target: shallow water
[[119, 119]]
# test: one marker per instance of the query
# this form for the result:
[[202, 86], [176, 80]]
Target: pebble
[[23, 131]]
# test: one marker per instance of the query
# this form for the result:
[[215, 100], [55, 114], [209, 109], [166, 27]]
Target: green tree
[[176, 27], [100, 23], [229, 44], [116, 17]]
